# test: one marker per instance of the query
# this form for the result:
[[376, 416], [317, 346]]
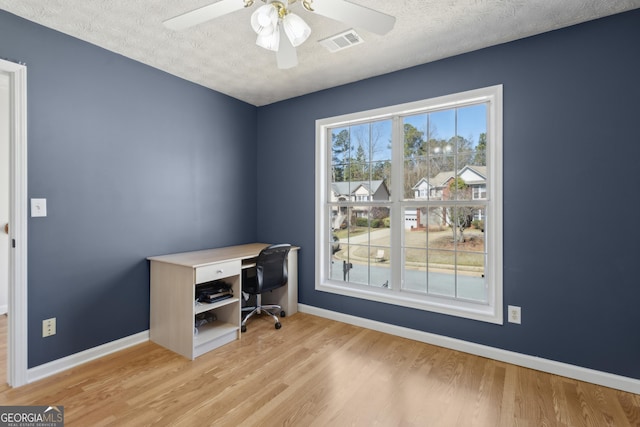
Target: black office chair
[[270, 274]]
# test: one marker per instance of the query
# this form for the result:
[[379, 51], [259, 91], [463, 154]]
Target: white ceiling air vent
[[342, 41]]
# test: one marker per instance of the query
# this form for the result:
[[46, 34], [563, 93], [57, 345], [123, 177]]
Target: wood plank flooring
[[318, 372]]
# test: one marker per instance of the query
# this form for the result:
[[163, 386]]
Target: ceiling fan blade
[[203, 14], [355, 15], [286, 56]]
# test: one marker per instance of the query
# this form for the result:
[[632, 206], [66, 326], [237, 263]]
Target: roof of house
[[441, 178], [481, 171], [349, 187]]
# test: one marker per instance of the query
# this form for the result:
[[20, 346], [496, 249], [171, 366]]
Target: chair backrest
[[271, 267]]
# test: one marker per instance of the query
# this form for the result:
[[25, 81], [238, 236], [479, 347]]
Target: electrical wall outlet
[[49, 327], [514, 313]]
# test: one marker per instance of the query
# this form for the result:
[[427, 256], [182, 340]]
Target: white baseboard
[[59, 365], [618, 382]]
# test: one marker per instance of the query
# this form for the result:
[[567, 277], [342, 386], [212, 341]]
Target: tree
[[382, 171], [481, 151], [415, 166], [441, 156], [463, 148], [358, 154], [359, 170], [340, 153], [414, 146], [460, 217]]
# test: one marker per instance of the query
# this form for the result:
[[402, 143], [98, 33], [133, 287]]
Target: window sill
[[479, 312]]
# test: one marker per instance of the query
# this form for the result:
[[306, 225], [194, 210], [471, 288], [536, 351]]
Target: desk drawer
[[221, 270]]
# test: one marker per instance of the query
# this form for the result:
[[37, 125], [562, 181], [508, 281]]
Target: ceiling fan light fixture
[[296, 29], [270, 41], [273, 14], [264, 20]]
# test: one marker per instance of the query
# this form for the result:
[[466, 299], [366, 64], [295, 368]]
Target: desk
[[172, 296]]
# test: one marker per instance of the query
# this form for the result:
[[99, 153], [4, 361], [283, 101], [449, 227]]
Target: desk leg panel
[[171, 307], [292, 286], [286, 296]]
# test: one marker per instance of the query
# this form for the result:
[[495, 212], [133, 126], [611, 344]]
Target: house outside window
[[414, 194]]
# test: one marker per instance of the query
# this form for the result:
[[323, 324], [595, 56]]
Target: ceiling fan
[[274, 18]]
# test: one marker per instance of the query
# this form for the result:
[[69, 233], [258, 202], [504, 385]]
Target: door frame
[[17, 332]]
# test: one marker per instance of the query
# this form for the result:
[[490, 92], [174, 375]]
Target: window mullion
[[397, 195]]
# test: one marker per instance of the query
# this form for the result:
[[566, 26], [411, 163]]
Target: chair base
[[262, 309]]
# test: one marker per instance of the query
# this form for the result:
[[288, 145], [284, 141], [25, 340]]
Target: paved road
[[438, 282]]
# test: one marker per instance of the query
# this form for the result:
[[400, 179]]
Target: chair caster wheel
[[282, 313], [278, 325], [243, 328]]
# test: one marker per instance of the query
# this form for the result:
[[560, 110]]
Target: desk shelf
[[210, 331], [212, 336], [202, 307]]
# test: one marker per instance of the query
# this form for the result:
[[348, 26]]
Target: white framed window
[[402, 246], [479, 192]]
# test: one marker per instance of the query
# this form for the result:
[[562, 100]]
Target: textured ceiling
[[221, 54]]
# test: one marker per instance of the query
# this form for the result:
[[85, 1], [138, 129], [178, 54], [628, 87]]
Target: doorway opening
[[13, 97]]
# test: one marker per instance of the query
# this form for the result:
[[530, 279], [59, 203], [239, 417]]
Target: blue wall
[[133, 162], [571, 151]]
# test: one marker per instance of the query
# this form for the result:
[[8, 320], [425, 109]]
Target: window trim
[[492, 312]]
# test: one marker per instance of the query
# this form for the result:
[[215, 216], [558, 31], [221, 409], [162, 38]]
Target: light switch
[[38, 207]]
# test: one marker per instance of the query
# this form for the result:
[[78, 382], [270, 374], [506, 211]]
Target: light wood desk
[[172, 299]]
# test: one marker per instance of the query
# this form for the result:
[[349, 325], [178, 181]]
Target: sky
[[471, 122], [468, 122]]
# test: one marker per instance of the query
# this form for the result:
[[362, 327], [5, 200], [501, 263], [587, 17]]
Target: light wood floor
[[318, 372]]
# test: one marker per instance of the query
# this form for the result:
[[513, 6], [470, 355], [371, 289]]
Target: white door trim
[[17, 362]]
